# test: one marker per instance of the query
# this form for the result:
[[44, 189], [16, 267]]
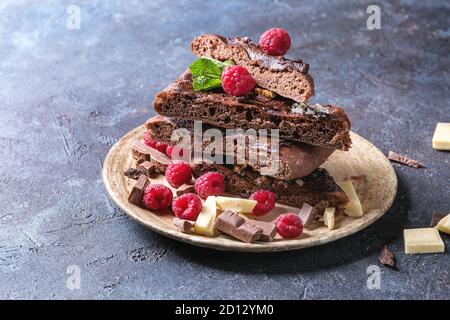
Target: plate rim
[[233, 245]]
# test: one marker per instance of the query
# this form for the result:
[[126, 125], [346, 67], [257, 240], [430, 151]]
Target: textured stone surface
[[67, 95]]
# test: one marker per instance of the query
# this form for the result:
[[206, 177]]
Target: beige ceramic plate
[[377, 194]]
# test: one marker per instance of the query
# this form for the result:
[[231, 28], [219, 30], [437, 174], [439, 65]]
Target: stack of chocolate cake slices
[[308, 134]]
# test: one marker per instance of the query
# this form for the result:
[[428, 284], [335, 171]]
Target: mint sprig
[[207, 72]]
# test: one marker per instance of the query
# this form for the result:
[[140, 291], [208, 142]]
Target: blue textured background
[[67, 95]]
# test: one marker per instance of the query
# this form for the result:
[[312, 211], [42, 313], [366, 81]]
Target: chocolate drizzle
[[275, 63]]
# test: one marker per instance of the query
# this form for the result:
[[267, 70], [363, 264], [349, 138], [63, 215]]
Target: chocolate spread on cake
[[274, 63]]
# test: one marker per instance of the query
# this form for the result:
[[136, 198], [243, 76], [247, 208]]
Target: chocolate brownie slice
[[326, 126], [288, 78], [318, 186], [294, 160]]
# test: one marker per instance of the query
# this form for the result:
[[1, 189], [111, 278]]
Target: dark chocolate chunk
[[404, 160], [133, 173], [436, 218], [135, 196], [387, 257], [307, 214]]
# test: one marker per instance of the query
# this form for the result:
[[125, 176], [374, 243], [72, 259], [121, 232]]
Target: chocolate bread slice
[[288, 78], [318, 186], [294, 160], [326, 126]]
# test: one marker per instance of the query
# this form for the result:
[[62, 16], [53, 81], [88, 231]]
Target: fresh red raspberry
[[275, 41], [157, 197], [266, 202], [160, 146], [169, 151], [149, 141], [237, 81], [289, 225], [210, 184], [178, 172], [187, 206]]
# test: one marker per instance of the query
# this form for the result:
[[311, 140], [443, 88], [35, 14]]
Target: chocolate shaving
[[133, 173], [387, 257], [436, 218], [404, 160]]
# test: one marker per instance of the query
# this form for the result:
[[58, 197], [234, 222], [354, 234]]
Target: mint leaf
[[206, 73]]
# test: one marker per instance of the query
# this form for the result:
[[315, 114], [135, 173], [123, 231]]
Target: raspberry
[[237, 81], [187, 206], [289, 225], [157, 197], [275, 42], [266, 202], [149, 141], [178, 172], [169, 151], [210, 184], [160, 146]]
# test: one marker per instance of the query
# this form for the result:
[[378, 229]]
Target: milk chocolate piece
[[268, 229], [307, 214], [436, 218], [137, 191], [133, 173], [141, 151], [387, 257], [146, 168], [404, 160], [183, 225], [185, 189], [160, 160], [232, 224]]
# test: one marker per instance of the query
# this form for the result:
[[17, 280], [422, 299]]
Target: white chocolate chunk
[[441, 137], [423, 240], [329, 218], [444, 224], [207, 218], [353, 208], [236, 204]]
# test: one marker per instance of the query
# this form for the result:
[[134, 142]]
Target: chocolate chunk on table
[[436, 218], [404, 160], [135, 196], [307, 214], [147, 168], [232, 224], [133, 173], [387, 257], [183, 225], [268, 229]]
